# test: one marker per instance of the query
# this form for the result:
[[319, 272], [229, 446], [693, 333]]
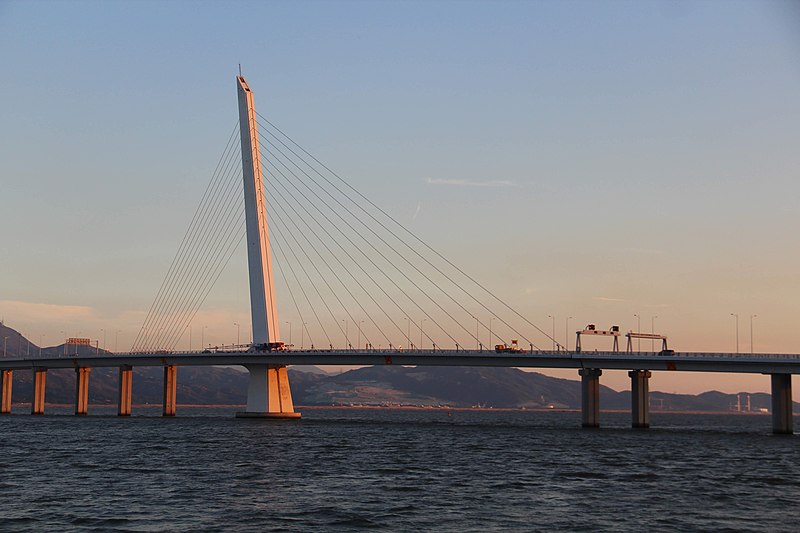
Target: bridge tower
[[268, 392]]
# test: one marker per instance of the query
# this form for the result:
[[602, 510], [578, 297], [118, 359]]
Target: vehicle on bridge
[[508, 348], [269, 347]]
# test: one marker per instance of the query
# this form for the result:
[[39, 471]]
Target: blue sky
[[586, 159]]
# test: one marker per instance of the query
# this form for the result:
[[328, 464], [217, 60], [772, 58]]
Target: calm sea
[[351, 470]]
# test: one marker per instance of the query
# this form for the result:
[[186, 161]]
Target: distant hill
[[373, 386]]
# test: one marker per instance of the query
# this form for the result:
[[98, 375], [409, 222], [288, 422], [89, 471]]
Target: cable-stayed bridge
[[366, 291]]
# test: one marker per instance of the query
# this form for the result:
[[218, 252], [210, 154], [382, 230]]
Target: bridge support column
[[39, 381], [268, 393], [590, 397], [125, 390], [640, 398], [170, 389], [82, 390], [5, 398], [782, 404]]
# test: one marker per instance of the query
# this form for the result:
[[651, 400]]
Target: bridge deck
[[685, 361]]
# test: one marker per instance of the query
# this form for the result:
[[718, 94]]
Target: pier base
[[39, 382], [640, 398], [82, 390], [590, 397], [5, 397], [125, 390], [268, 393], [782, 418], [170, 389]]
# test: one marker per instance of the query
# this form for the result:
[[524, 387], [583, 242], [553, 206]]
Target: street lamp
[[237, 332], [653, 332], [566, 334], [554, 330], [638, 330], [751, 333], [359, 334], [104, 338], [303, 336], [490, 332], [64, 334], [116, 339], [290, 332], [346, 335], [190, 337], [203, 337], [420, 332], [736, 316]]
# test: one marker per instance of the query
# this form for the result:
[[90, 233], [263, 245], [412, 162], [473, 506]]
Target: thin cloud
[[604, 299], [27, 311], [419, 208], [469, 183]]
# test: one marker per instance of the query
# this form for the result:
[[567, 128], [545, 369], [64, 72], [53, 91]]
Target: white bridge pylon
[[268, 392]]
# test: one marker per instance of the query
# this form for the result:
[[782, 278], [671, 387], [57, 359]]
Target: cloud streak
[[604, 299], [469, 183]]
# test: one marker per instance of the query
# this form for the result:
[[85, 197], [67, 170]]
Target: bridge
[[375, 277]]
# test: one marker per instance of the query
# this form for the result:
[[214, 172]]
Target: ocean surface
[[395, 470]]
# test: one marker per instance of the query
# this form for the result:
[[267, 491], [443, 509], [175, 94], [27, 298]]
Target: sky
[[593, 160]]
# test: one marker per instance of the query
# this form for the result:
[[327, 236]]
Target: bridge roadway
[[589, 364]]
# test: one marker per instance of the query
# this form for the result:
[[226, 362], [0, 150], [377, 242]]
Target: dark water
[[349, 470]]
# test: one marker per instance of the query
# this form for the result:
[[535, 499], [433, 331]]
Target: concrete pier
[[125, 390], [590, 397], [39, 382], [640, 398], [5, 397], [782, 417], [82, 390], [268, 393], [170, 389]]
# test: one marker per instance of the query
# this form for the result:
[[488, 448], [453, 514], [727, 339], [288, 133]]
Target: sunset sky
[[593, 160]]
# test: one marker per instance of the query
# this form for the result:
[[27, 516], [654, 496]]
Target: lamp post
[[303, 336], [490, 332], [566, 334], [237, 332], [554, 330], [190, 337], [751, 333], [420, 332], [116, 338], [408, 331], [64, 334], [653, 332], [477, 333], [346, 335], [736, 316], [203, 337], [290, 332], [638, 330], [359, 334]]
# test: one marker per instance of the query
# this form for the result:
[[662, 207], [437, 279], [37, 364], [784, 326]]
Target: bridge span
[[589, 365]]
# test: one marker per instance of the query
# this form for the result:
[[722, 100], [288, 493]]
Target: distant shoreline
[[401, 408]]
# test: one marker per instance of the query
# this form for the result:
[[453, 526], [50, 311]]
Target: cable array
[[346, 269], [361, 268], [216, 229]]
